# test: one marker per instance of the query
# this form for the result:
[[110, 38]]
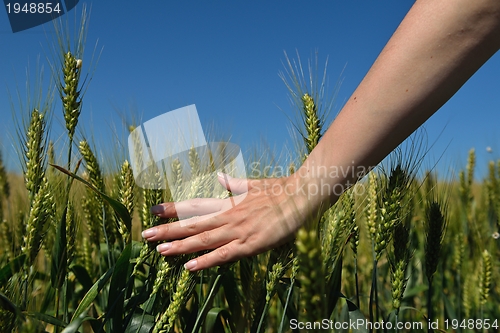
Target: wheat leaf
[[91, 294], [11, 268], [119, 208]]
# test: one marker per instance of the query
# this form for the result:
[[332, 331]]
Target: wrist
[[315, 188]]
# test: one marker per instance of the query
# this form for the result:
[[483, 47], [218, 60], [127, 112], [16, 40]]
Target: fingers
[[224, 245], [180, 229], [221, 255], [217, 257], [188, 208], [203, 206], [205, 240], [235, 185], [230, 233]]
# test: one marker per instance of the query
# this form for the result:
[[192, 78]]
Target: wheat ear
[[310, 275], [399, 264], [34, 153], [184, 286], [42, 210], [126, 192], [70, 94], [485, 278]]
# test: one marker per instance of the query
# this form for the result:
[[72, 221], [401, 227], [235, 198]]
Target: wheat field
[[402, 246]]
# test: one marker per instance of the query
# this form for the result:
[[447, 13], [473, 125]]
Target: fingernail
[[158, 209], [190, 264], [163, 247], [149, 233], [220, 174]]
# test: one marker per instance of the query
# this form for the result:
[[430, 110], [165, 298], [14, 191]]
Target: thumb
[[235, 185]]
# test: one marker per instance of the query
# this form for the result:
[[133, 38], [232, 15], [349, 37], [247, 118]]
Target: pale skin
[[438, 46]]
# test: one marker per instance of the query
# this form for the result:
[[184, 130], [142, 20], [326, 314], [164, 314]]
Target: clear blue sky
[[225, 56]]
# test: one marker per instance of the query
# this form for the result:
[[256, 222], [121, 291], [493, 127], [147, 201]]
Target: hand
[[243, 225]]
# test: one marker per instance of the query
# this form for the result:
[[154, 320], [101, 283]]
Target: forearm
[[438, 46]]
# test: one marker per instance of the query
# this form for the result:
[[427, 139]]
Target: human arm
[[435, 50]]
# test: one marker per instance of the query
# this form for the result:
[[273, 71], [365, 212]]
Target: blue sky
[[225, 56]]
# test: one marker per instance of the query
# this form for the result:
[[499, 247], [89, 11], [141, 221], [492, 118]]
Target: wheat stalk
[[194, 162], [93, 218], [338, 223], [70, 93], [371, 212], [183, 289], [312, 122], [92, 166], [399, 264], [177, 178], [310, 275], [467, 301], [34, 153], [308, 96], [70, 60], [466, 180], [435, 228], [71, 231], [42, 210], [151, 197], [485, 277], [126, 196], [391, 211], [145, 209], [102, 212], [87, 254], [273, 276], [492, 184], [458, 253], [162, 276]]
